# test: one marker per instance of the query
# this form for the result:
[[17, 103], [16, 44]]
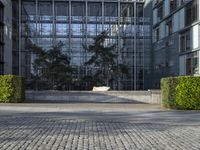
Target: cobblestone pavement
[[95, 130]]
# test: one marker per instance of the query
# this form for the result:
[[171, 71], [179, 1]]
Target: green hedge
[[181, 92], [11, 89]]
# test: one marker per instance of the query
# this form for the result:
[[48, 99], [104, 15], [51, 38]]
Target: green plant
[[103, 61], [188, 93], [168, 86], [52, 69], [11, 89], [181, 92]]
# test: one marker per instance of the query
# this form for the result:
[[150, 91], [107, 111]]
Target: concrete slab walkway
[[97, 126]]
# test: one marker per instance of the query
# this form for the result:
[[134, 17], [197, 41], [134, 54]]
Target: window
[[61, 11], [127, 10], [192, 64], [182, 2], [78, 9], [169, 26], [140, 10], [173, 5], [191, 13], [156, 2], [94, 9], [160, 12], [45, 11], [156, 34], [185, 41], [110, 9], [1, 38]]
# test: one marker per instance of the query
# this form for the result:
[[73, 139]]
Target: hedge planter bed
[[11, 89], [181, 92]]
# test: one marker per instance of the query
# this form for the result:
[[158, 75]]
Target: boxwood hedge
[[181, 92], [11, 89]]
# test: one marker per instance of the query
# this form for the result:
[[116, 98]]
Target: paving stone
[[69, 131]]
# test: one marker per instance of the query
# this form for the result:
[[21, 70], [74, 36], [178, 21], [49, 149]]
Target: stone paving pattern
[[96, 130]]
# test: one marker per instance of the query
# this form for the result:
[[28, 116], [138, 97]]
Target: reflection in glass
[[50, 22]]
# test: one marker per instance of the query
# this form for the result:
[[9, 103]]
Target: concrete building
[[176, 42]]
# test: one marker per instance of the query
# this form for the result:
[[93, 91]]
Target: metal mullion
[[103, 16], [143, 48], [36, 7], [70, 22], [119, 46], [20, 38], [135, 52], [54, 23], [85, 57]]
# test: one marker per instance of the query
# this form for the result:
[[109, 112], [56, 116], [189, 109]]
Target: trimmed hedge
[[181, 92], [12, 89]]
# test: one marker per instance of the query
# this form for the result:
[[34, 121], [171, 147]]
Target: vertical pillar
[[54, 23], [70, 33], [70, 22], [36, 21], [135, 46], [86, 38], [143, 47], [103, 15], [20, 42], [119, 43]]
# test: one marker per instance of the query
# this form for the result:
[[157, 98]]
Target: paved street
[[97, 126]]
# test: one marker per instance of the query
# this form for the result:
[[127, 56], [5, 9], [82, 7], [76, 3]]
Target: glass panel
[[111, 9], [78, 9], [45, 11], [45, 29], [77, 29], [77, 51], [28, 10], [61, 29], [127, 10], [139, 10], [61, 11], [94, 9]]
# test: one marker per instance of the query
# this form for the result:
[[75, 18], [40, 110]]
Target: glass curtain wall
[[15, 38], [1, 39], [76, 23]]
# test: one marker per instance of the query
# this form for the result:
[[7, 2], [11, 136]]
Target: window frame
[[184, 47]]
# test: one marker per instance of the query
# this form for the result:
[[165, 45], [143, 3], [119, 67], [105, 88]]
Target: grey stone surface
[[105, 128], [150, 97]]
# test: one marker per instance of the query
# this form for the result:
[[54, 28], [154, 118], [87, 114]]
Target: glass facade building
[[76, 23], [1, 39]]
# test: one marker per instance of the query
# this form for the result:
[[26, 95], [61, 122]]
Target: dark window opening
[[157, 34], [160, 12], [173, 5], [169, 27], [185, 41], [192, 64], [191, 13]]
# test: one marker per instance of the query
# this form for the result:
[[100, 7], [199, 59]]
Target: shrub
[[188, 93], [11, 89], [168, 91], [181, 92]]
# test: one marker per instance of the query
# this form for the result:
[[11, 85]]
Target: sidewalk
[[56, 107]]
